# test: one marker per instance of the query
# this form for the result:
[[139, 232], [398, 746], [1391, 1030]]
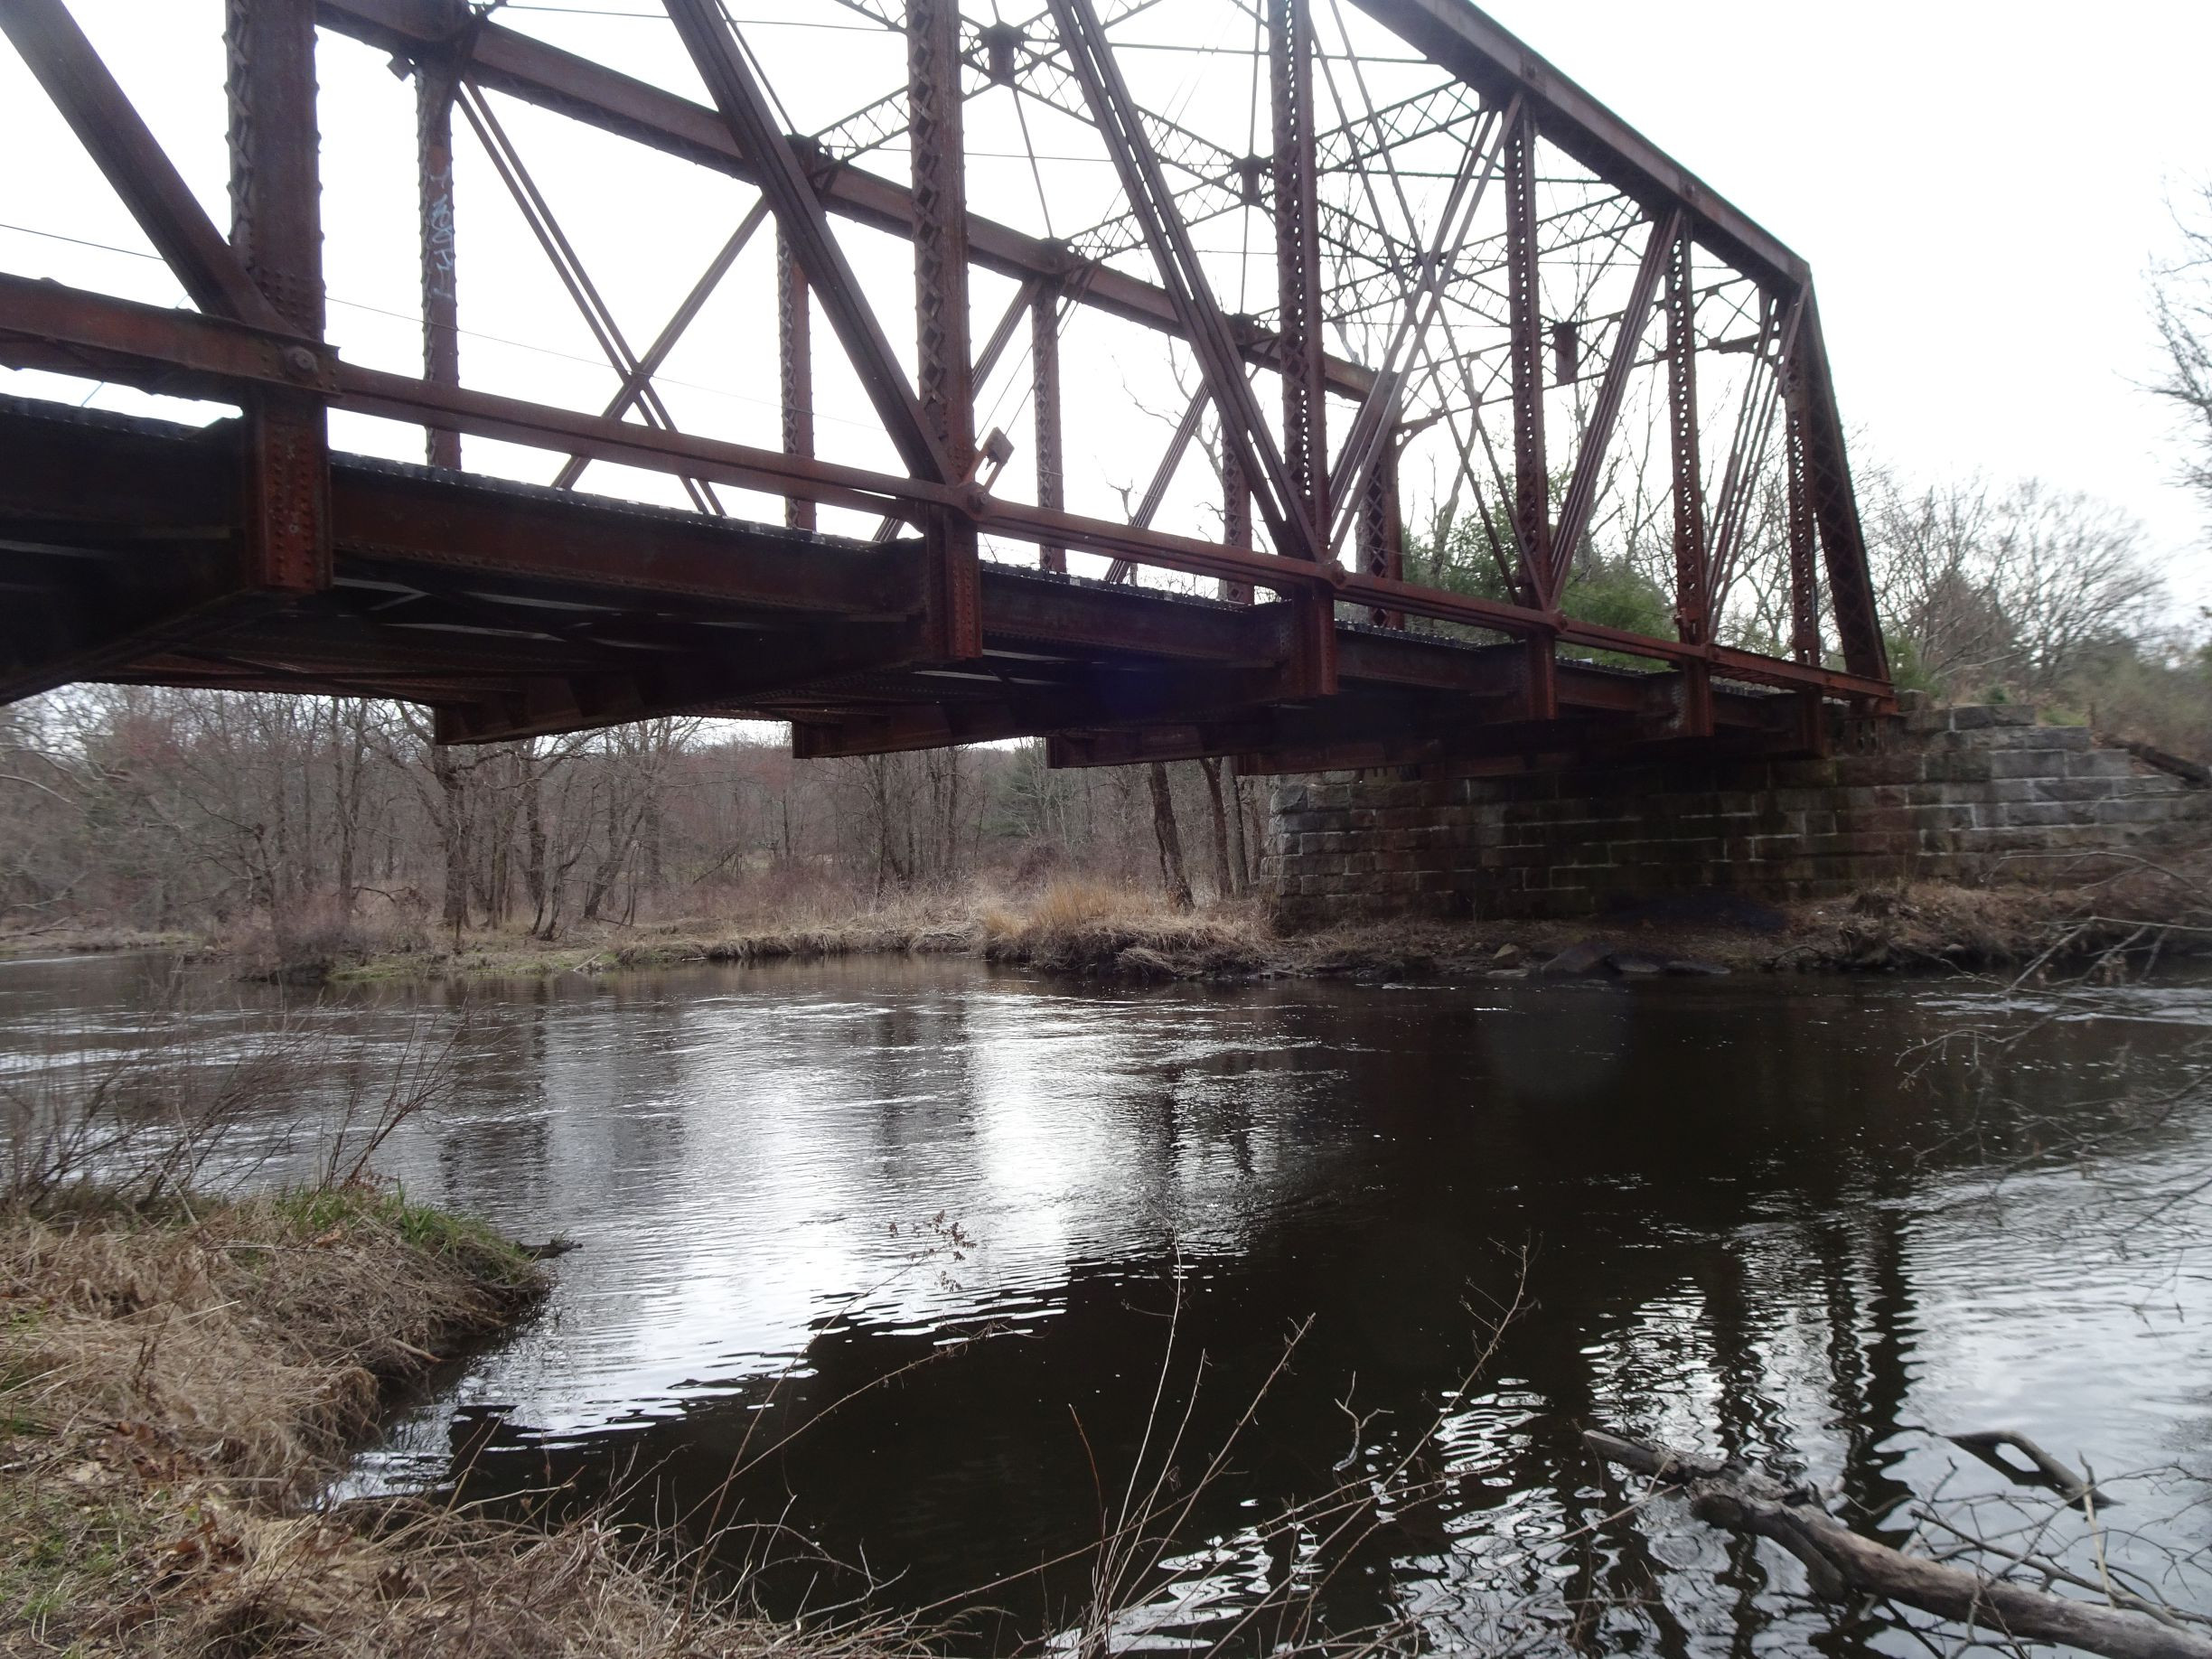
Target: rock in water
[[1586, 958]]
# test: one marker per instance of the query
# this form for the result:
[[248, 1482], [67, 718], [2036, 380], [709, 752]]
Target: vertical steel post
[[1381, 533], [1804, 579], [1525, 301], [795, 362], [1689, 488], [1236, 519], [1045, 369], [946, 391], [276, 230], [1298, 259], [276, 187], [434, 187], [1299, 323]]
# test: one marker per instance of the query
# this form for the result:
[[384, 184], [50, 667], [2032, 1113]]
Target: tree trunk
[[1170, 840], [609, 867], [1225, 883], [348, 746], [534, 842], [497, 876], [1240, 865], [656, 873], [454, 826], [952, 815], [1253, 814]]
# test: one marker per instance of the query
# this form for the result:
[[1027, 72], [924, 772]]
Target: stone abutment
[[1965, 794]]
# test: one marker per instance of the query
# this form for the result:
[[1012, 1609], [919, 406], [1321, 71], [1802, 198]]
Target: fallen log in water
[[1842, 1563]]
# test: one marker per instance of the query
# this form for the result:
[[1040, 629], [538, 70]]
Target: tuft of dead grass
[[426, 1581], [176, 1384], [1077, 926], [254, 1337]]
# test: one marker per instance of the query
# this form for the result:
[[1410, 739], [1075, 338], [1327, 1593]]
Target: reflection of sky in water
[[1733, 1243], [815, 1141]]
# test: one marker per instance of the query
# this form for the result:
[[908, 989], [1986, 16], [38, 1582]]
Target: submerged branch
[[1840, 1563]]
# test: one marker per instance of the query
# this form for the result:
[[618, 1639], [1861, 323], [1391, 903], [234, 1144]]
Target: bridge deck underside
[[516, 610]]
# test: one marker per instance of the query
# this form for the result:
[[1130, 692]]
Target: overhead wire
[[749, 22]]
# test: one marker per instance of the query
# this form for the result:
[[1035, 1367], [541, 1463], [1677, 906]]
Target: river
[[1021, 1233]]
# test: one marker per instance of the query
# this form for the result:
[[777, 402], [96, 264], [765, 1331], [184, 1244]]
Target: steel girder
[[256, 340]]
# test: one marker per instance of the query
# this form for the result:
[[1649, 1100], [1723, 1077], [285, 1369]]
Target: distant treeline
[[166, 809]]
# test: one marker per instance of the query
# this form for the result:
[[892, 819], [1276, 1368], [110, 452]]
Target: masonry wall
[[1970, 794]]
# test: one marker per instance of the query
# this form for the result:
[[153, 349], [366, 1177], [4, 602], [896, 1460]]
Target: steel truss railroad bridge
[[1443, 254]]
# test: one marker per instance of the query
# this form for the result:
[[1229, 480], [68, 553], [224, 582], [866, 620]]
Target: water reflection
[[905, 1240]]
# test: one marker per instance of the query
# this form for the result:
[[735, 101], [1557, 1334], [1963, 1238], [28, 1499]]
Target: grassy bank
[[1090, 928], [74, 939], [175, 1387], [1080, 927]]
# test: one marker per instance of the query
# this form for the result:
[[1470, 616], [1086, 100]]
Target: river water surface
[[1027, 1235]]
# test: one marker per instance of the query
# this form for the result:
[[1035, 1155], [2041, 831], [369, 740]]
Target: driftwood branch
[[1840, 1563], [2047, 1472]]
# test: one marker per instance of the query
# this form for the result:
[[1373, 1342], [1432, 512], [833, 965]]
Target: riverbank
[[91, 939], [1081, 928], [176, 1388], [1096, 929]]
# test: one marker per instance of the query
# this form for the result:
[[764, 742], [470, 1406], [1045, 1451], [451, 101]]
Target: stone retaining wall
[[1969, 794]]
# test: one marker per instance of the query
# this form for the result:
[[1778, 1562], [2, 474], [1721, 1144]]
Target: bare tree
[[1983, 587], [2183, 308], [2069, 574]]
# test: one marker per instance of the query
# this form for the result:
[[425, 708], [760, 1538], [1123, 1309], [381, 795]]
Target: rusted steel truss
[[1490, 273]]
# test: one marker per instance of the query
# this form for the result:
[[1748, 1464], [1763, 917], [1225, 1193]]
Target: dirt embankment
[[174, 1388]]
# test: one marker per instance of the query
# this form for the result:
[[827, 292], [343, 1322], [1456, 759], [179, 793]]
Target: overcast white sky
[[1980, 189]]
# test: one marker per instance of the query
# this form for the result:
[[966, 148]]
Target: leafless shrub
[[157, 1119], [143, 1125], [1149, 1578]]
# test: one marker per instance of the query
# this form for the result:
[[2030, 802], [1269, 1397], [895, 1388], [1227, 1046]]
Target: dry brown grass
[[1074, 924], [174, 1387], [432, 1583], [1081, 925], [255, 1337]]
